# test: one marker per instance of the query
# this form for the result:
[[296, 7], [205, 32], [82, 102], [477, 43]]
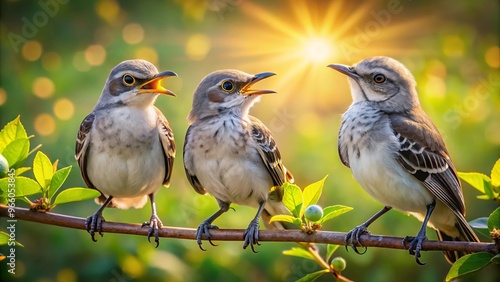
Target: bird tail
[[465, 234]]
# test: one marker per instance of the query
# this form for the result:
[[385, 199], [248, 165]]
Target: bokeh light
[[64, 109], [197, 46], [453, 46], [43, 87], [44, 124], [95, 55], [3, 96], [51, 61], [108, 10], [80, 62], [133, 33], [32, 50], [148, 54], [492, 57]]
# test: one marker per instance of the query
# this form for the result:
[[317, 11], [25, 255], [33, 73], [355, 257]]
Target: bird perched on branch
[[125, 147], [232, 155], [397, 154]]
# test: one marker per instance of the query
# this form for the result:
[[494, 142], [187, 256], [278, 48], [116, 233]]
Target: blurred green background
[[56, 55]]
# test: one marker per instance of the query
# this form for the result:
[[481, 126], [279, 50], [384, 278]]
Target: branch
[[325, 237]]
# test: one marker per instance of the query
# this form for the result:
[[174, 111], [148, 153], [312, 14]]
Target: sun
[[317, 50]]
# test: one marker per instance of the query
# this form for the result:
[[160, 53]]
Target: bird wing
[[168, 144], [82, 147], [344, 158], [423, 154], [268, 151], [193, 180]]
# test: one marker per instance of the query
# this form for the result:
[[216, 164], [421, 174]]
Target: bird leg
[[251, 235], [94, 222], [154, 222], [359, 230], [206, 225], [416, 242]]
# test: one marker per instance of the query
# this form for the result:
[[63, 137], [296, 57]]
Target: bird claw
[[415, 246], [353, 237], [155, 225], [203, 229], [251, 235], [93, 223]]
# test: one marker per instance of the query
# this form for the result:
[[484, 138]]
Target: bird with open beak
[[232, 155], [125, 147]]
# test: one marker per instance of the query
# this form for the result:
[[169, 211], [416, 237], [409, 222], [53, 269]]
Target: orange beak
[[154, 86]]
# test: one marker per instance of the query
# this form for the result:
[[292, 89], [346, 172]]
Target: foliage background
[[54, 77]]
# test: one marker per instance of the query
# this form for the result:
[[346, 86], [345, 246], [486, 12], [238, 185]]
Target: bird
[[398, 156], [232, 155], [125, 147]]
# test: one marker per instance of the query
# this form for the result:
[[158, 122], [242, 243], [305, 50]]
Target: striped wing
[[168, 144]]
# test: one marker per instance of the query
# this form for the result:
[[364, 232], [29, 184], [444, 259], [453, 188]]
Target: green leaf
[[292, 198], [42, 169], [468, 264], [4, 239], [22, 170], [496, 259], [286, 218], [313, 276], [484, 197], [12, 131], [494, 220], [298, 252], [23, 186], [311, 194], [495, 174], [481, 225], [57, 180], [330, 249], [331, 212], [16, 152], [75, 195], [476, 180]]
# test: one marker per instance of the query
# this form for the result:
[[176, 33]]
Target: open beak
[[245, 91], [347, 70], [154, 86]]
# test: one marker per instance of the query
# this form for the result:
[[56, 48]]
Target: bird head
[[226, 91], [134, 83], [383, 80]]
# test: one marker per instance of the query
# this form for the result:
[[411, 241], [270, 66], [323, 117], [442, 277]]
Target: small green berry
[[4, 166], [339, 264], [313, 213]]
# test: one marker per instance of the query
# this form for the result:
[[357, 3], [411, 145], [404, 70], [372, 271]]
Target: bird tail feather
[[465, 234]]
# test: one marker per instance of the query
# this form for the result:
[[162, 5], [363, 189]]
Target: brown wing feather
[[82, 147], [168, 144], [193, 180], [423, 154], [269, 153]]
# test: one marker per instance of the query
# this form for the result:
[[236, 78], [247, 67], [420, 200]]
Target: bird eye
[[128, 79], [379, 78], [227, 85]]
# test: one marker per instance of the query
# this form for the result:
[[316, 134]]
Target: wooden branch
[[325, 237]]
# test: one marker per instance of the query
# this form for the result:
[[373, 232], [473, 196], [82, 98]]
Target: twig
[[325, 237]]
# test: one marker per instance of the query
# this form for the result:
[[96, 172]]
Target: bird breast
[[125, 155], [226, 163]]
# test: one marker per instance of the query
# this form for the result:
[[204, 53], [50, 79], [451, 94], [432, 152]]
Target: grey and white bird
[[232, 155], [397, 154], [125, 147]]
